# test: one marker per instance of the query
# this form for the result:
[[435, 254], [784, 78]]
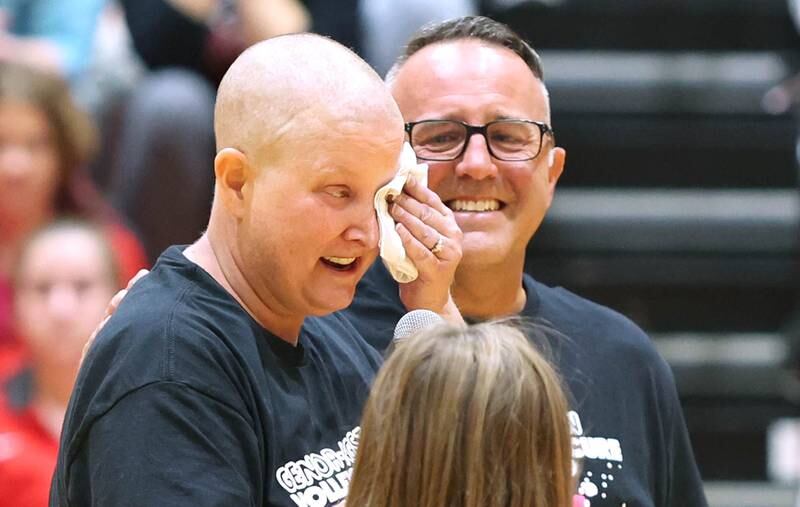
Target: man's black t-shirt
[[630, 442], [185, 400]]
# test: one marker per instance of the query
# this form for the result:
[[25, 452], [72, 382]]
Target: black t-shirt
[[184, 400], [629, 437]]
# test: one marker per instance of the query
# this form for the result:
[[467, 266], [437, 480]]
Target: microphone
[[413, 321]]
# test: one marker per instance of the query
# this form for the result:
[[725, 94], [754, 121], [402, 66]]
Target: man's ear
[[555, 166], [233, 173]]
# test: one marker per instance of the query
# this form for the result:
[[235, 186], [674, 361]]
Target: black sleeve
[[167, 444], [163, 36]]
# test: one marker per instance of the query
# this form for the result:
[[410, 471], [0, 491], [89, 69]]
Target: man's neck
[[220, 264], [486, 292]]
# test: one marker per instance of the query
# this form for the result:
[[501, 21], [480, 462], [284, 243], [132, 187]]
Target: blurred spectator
[[337, 19], [63, 281], [388, 24], [162, 165], [44, 143], [464, 417], [205, 36], [55, 35]]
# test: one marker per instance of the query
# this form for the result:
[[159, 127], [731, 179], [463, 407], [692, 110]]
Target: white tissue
[[391, 246]]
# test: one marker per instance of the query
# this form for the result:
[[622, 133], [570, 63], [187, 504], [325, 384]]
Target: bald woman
[[226, 377]]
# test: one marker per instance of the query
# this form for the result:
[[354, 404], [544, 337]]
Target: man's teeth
[[343, 261], [482, 205]]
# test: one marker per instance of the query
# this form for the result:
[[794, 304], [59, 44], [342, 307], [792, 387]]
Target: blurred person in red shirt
[[45, 142], [64, 277]]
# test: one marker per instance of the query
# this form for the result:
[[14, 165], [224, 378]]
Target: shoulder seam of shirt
[[169, 336]]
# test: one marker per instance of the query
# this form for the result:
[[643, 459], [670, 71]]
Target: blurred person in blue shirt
[[57, 35]]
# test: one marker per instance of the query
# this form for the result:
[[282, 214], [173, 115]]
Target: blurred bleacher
[[680, 203]]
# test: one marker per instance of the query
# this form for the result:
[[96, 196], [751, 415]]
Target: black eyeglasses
[[507, 140]]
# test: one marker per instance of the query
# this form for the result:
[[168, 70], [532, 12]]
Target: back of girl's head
[[464, 417]]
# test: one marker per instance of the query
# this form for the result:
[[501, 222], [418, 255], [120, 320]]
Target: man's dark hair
[[470, 27]]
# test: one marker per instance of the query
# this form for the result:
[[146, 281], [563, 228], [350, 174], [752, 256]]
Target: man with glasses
[[477, 111]]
